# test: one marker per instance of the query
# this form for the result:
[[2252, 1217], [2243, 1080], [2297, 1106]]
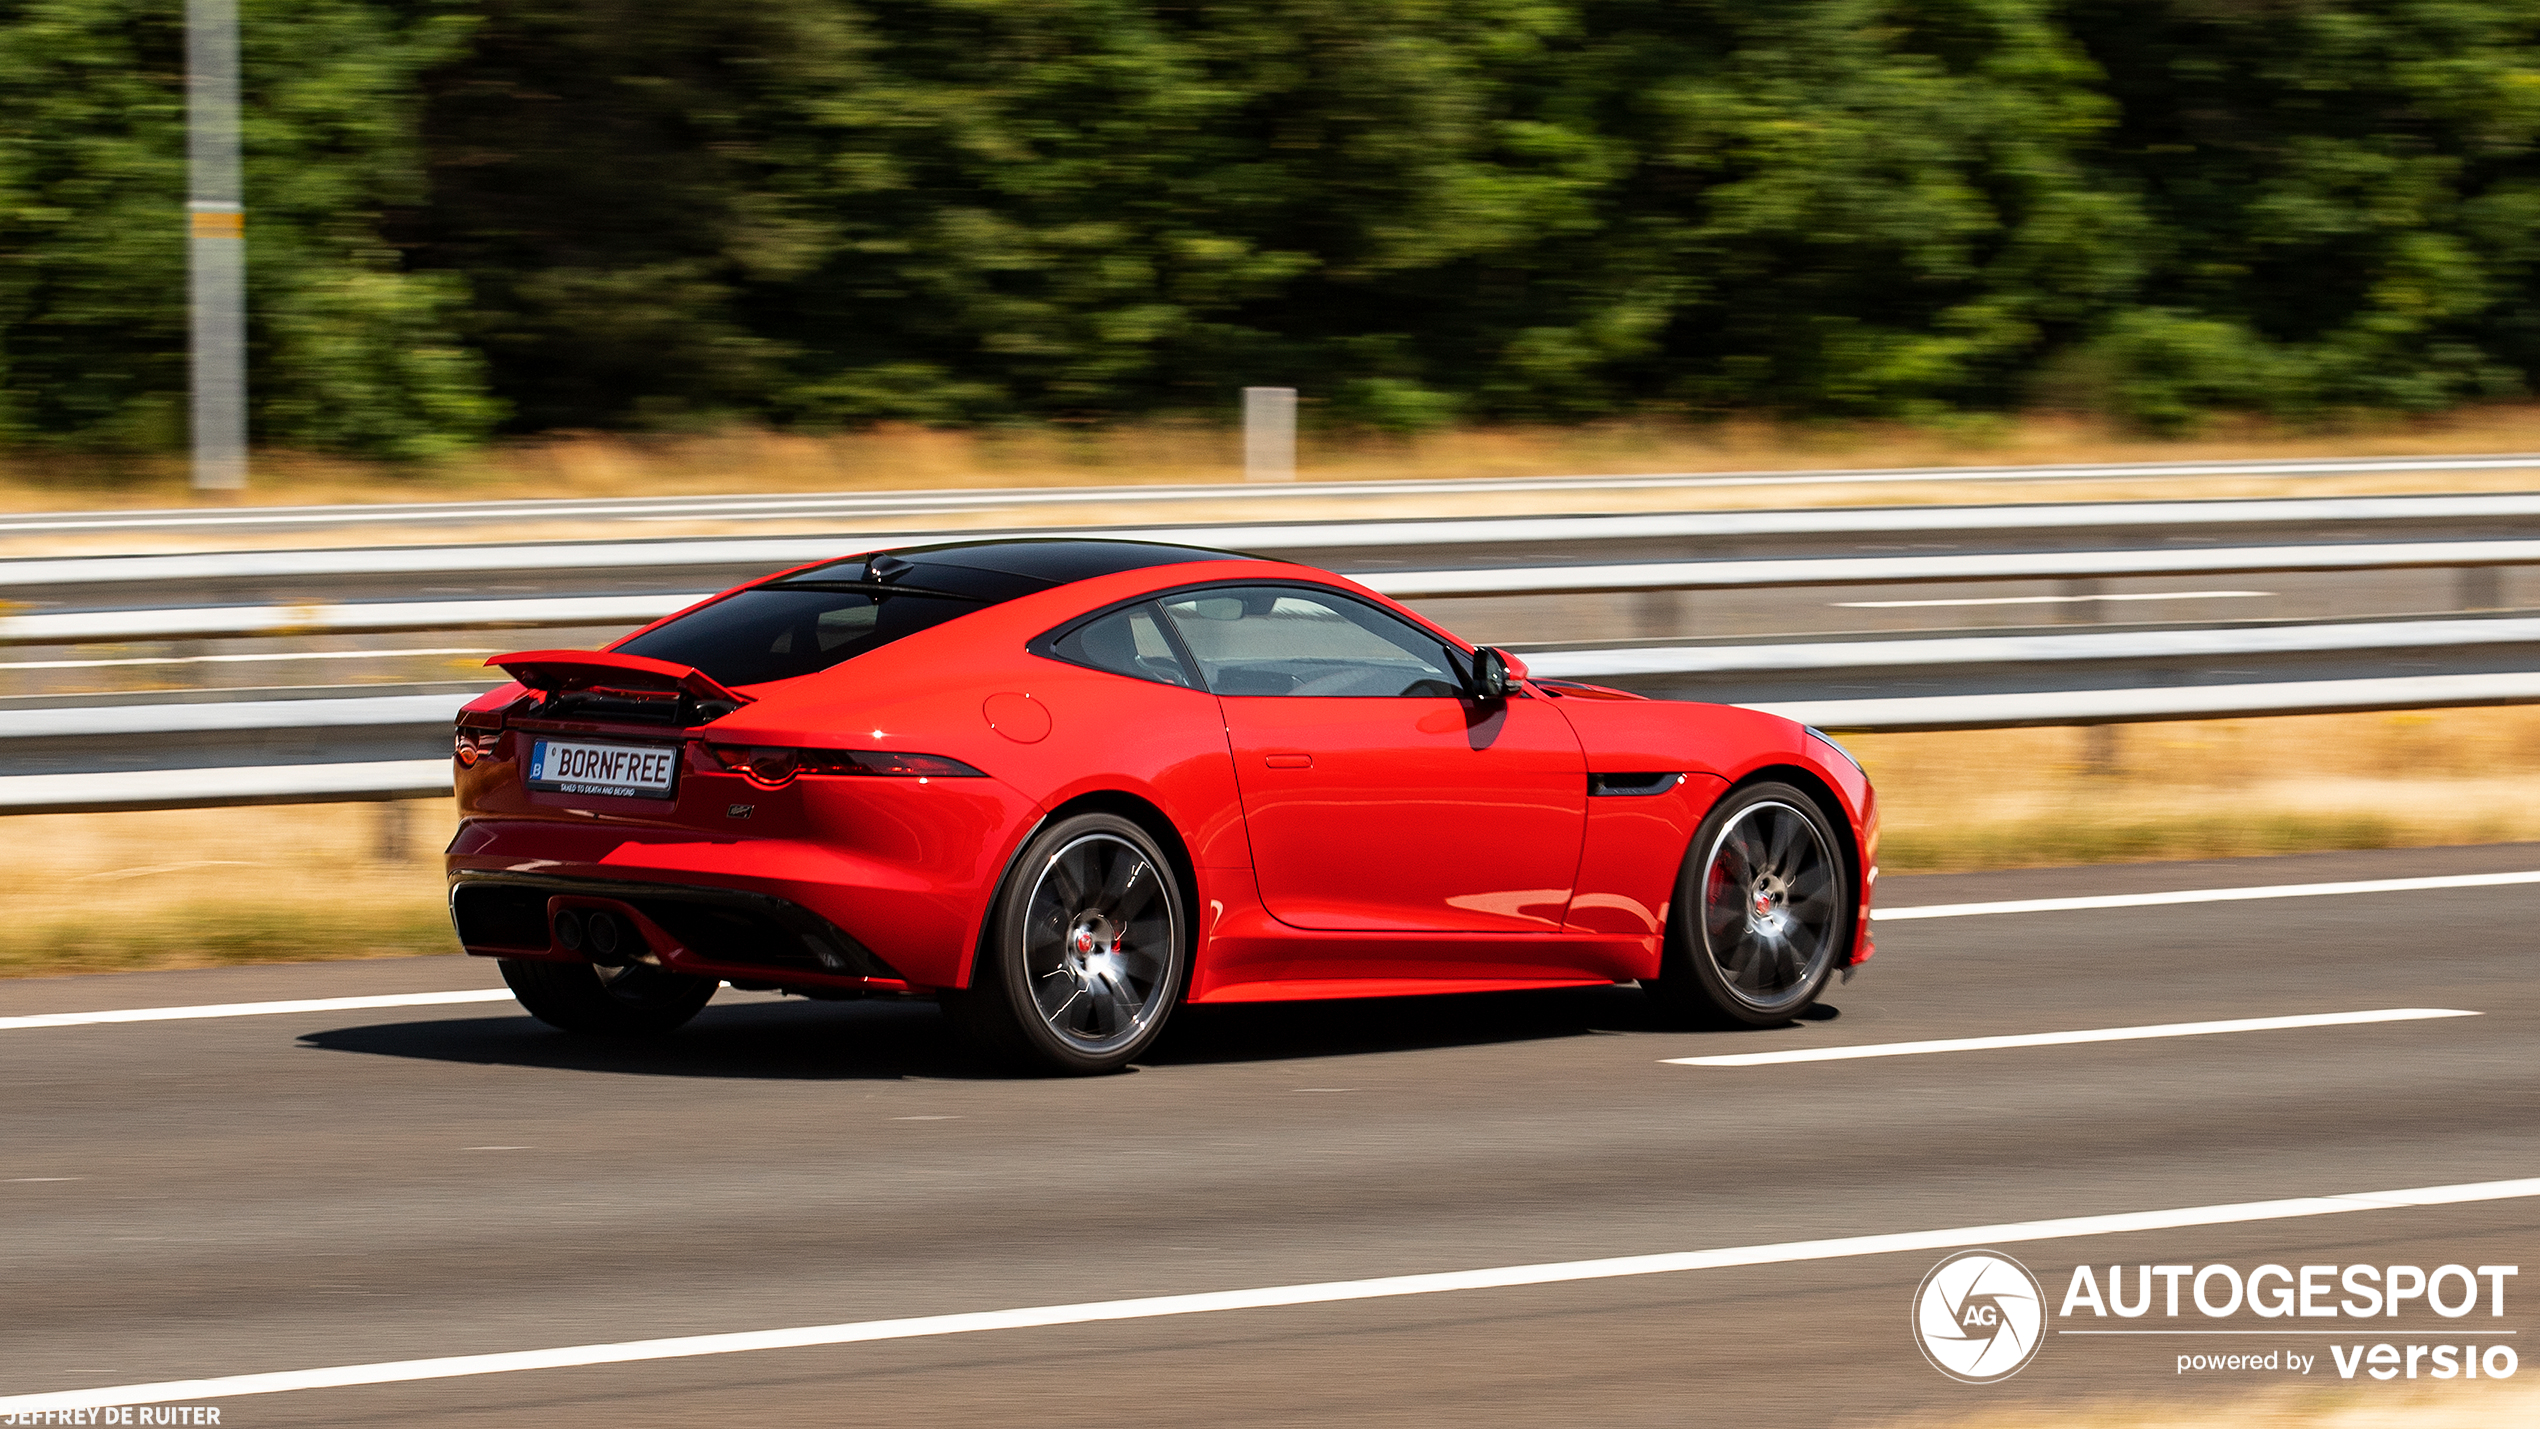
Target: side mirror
[[1492, 681]]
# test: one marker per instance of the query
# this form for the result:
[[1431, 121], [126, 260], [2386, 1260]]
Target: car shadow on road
[[768, 1041], [885, 1040], [1277, 1031]]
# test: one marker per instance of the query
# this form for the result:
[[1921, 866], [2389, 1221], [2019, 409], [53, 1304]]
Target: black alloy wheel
[[1763, 913], [1086, 951]]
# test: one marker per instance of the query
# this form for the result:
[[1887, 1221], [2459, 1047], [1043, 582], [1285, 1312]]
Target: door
[[1376, 796]]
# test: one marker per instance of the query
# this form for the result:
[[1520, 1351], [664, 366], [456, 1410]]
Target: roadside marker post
[[216, 256], [1269, 434]]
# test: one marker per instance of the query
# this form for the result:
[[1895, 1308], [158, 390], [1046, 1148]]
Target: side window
[[1279, 640], [1126, 642]]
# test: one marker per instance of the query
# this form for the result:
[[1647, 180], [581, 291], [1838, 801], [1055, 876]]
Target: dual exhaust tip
[[599, 935]]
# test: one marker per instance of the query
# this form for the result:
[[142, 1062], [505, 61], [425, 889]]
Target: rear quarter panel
[[930, 694], [1060, 731]]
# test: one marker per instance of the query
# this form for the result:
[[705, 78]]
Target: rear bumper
[[901, 868], [726, 933]]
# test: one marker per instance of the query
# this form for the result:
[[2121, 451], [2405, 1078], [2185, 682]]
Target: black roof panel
[[1060, 560], [1001, 570]]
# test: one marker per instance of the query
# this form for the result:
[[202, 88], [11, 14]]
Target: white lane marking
[[2061, 1039], [2050, 599], [256, 1009], [1322, 1293], [2205, 895]]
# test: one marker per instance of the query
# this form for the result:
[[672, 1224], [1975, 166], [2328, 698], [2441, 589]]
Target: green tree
[[2342, 197], [591, 214]]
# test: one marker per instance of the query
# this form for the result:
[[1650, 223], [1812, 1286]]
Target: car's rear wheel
[[618, 1002], [1763, 910], [1086, 952]]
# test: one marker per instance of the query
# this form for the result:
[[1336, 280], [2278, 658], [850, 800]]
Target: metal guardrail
[[895, 504], [365, 781], [369, 780], [199, 622], [2082, 707], [320, 749], [51, 573], [1870, 658], [133, 726], [374, 746], [1986, 566]]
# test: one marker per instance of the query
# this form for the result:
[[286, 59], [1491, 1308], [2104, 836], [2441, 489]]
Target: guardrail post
[[1660, 614], [1269, 434], [388, 843], [2102, 749], [2082, 605]]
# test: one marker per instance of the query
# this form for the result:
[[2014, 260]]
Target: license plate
[[628, 770]]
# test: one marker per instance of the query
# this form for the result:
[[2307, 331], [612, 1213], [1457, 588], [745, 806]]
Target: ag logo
[[1979, 1316]]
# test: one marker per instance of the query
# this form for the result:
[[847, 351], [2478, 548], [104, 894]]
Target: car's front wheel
[[619, 1002], [1763, 910], [1085, 952]]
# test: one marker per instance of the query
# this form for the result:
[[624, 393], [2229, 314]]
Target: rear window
[[776, 632]]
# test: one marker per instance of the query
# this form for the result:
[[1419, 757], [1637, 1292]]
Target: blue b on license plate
[[630, 770]]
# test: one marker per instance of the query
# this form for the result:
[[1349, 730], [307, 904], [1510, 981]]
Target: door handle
[[1288, 759]]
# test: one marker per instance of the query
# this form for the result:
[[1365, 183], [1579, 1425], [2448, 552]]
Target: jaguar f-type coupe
[[1065, 786]]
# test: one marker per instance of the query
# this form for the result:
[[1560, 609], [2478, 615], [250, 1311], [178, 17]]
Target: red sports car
[[1067, 785]]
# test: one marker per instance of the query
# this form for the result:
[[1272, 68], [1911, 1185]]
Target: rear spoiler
[[570, 671]]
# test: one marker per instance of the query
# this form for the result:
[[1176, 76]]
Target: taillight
[[889, 762], [762, 765], [480, 730], [771, 767]]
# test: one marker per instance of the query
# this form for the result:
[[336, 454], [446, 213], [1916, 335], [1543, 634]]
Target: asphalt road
[[207, 1198]]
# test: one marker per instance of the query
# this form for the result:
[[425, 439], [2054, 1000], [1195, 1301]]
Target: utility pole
[[216, 246]]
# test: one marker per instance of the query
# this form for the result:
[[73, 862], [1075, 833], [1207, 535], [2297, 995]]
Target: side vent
[[1632, 786]]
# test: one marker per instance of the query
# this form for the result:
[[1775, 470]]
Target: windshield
[[776, 632]]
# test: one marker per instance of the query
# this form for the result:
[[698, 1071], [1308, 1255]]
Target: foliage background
[[471, 216]]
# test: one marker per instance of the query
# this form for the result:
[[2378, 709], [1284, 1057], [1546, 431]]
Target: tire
[[1763, 912], [1086, 951], [632, 1001]]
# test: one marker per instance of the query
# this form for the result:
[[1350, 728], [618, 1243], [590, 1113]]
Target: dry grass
[[2483, 1405], [2204, 789], [203, 887], [192, 888], [901, 457]]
